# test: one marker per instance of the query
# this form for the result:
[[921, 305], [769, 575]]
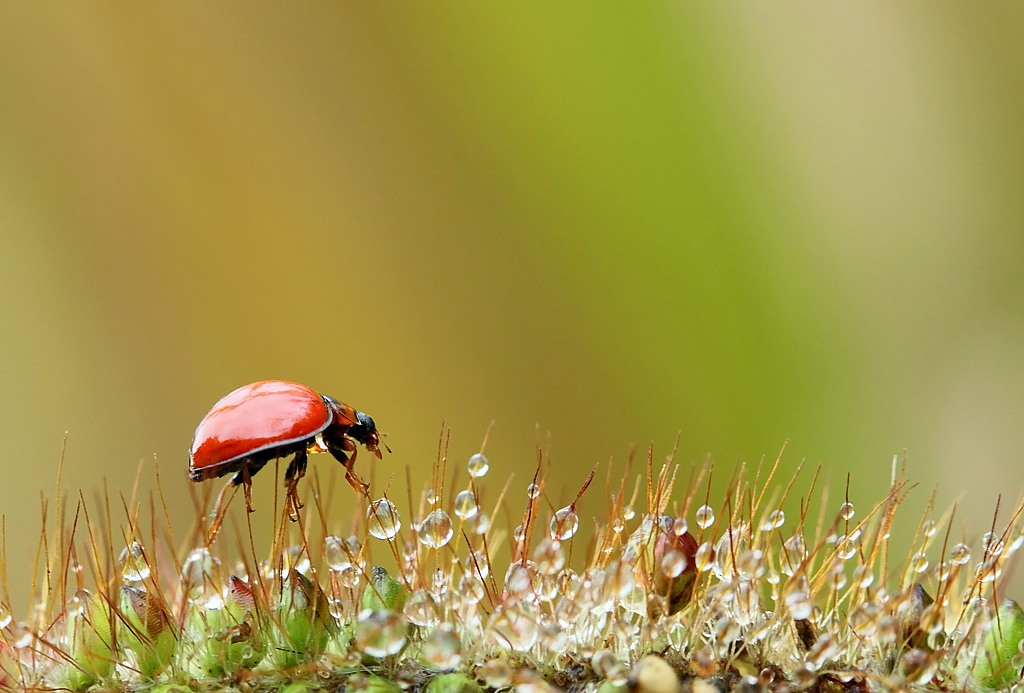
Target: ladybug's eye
[[365, 421]]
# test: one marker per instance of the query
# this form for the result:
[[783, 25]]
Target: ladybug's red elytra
[[269, 419]]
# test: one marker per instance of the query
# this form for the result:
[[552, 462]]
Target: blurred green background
[[598, 225]]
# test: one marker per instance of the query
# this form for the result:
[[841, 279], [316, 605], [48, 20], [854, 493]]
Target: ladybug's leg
[[244, 479], [344, 450], [296, 470]]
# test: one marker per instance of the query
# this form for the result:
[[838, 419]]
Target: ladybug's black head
[[365, 431]]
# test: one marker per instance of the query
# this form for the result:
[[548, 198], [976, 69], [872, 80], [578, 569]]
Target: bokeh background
[[598, 225]]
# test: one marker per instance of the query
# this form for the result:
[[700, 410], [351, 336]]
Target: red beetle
[[263, 421]]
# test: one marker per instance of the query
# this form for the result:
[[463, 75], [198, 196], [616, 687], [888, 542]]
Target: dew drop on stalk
[[198, 569], [628, 513], [847, 511], [799, 604], [680, 526], [436, 529], [5, 615], [549, 557], [380, 633], [992, 543], [618, 525], [846, 548], [431, 497], [514, 627], [673, 563], [532, 491], [519, 533], [478, 524], [564, 524], [382, 519], [465, 505], [471, 590], [705, 516], [793, 554], [133, 563], [930, 528], [960, 554], [341, 554], [863, 577], [442, 648], [496, 673], [478, 465], [918, 563], [704, 557], [421, 609]]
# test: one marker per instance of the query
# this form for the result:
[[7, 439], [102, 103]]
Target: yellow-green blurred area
[[597, 225]]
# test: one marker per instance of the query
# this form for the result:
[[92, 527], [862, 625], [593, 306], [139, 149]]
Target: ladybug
[[263, 421]]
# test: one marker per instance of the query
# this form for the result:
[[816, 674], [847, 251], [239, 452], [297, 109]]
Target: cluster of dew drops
[[756, 582]]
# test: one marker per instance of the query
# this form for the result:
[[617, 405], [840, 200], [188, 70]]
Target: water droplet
[[680, 526], [5, 615], [471, 590], [673, 563], [496, 673], [197, 572], [618, 525], [705, 516], [478, 465], [918, 563], [930, 528], [628, 513], [133, 563], [439, 583], [846, 548], [564, 524], [777, 518], [799, 604], [704, 557], [382, 519], [746, 603], [993, 544], [431, 497], [751, 564], [960, 554], [442, 648], [519, 533], [465, 505], [519, 577], [478, 524], [295, 558], [513, 627], [380, 633], [837, 576], [436, 529], [793, 554], [421, 608], [847, 511], [477, 565], [350, 576], [532, 491], [341, 554], [549, 556], [863, 576]]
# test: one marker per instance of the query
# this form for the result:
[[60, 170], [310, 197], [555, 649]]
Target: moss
[[676, 597]]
